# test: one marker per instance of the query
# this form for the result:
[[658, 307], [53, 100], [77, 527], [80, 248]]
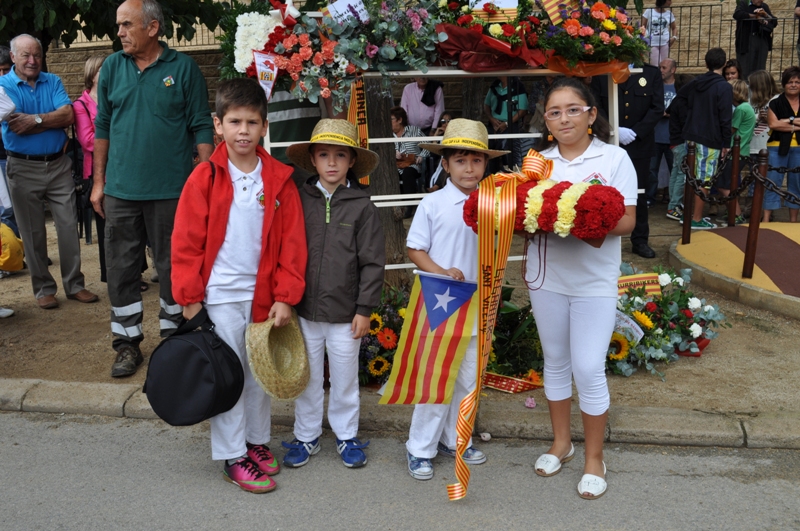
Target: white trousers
[[250, 419], [575, 334], [432, 423], [344, 398]]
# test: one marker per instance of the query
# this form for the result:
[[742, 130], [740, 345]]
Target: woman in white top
[[663, 30], [573, 283]]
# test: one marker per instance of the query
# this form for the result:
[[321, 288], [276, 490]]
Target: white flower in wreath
[[694, 304], [678, 281], [708, 308], [442, 3], [659, 331], [696, 330], [638, 301], [664, 279], [252, 32], [465, 9]]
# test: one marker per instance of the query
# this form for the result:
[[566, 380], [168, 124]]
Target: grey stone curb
[[737, 290], [640, 425]]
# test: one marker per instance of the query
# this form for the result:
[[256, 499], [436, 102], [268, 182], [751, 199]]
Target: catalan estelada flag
[[553, 9], [438, 327]]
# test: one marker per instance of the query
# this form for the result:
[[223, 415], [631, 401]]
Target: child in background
[[440, 242], [344, 280], [743, 124], [239, 246]]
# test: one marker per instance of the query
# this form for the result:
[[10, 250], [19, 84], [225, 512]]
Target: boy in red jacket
[[239, 245]]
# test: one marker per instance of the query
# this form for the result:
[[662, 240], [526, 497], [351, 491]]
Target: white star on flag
[[443, 300]]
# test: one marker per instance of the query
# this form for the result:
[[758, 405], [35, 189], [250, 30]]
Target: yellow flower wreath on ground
[[643, 319], [533, 206], [378, 366], [566, 208], [621, 347], [375, 324]]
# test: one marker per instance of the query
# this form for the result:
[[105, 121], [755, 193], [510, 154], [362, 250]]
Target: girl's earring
[[590, 129], [549, 136]]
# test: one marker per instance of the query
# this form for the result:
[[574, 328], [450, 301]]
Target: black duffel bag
[[193, 374]]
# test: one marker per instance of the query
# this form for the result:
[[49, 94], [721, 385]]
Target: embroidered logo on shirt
[[260, 197], [169, 81], [595, 178]]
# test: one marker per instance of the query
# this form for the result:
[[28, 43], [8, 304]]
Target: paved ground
[[86, 473]]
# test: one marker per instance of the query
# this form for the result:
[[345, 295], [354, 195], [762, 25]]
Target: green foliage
[[516, 345], [63, 19]]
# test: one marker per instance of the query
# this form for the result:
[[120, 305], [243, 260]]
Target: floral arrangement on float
[[663, 323], [316, 58], [590, 33], [583, 210], [378, 347]]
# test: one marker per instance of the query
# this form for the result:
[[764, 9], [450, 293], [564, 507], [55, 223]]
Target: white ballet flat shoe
[[549, 465], [592, 487]]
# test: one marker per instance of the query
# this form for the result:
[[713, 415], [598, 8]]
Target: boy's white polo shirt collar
[[328, 194], [594, 150], [240, 178], [453, 193]]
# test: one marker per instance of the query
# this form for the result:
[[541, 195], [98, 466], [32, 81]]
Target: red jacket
[[201, 220]]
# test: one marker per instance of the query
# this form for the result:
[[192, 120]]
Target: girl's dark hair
[[600, 128], [733, 63], [660, 3]]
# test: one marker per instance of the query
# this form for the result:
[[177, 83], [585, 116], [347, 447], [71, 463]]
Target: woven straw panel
[[278, 359]]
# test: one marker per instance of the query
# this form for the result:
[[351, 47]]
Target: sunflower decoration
[[378, 366], [387, 338], [643, 319], [375, 324], [620, 347]]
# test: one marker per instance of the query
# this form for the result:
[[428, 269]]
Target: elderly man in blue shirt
[[38, 171]]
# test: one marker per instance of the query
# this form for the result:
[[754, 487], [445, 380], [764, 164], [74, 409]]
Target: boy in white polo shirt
[[440, 242]]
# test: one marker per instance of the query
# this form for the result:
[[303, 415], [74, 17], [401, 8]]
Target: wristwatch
[[37, 119]]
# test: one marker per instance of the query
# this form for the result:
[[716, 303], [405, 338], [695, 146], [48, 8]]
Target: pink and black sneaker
[[248, 476], [261, 456]]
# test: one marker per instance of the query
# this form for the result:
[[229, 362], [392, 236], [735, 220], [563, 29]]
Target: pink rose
[[325, 93], [622, 17], [372, 50], [323, 82], [617, 40], [423, 13], [589, 48], [586, 31], [605, 37], [318, 59]]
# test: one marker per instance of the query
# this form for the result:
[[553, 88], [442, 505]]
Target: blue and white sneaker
[[299, 452], [352, 452], [472, 456], [420, 468]]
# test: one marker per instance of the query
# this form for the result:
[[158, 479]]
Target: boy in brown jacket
[[344, 278]]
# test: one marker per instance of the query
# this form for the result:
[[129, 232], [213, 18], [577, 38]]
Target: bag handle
[[201, 320]]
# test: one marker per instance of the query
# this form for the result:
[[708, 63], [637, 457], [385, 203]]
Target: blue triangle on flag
[[444, 297]]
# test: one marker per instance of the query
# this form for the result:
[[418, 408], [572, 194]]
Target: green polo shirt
[[152, 120]]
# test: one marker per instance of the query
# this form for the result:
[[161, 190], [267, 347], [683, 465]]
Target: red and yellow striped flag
[[648, 281], [438, 327], [554, 12]]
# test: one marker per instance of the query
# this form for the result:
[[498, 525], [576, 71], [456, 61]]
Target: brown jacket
[[346, 254]]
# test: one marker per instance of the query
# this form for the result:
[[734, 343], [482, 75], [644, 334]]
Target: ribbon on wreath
[[285, 13], [357, 115], [492, 258]]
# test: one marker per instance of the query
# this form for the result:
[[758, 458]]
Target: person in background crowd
[[743, 123], [152, 106], [662, 29], [677, 112], [709, 99], [85, 109], [37, 170], [754, 26], [495, 109], [732, 70], [641, 106], [438, 177], [784, 142], [797, 15], [409, 156], [668, 67], [762, 89], [423, 101], [6, 208]]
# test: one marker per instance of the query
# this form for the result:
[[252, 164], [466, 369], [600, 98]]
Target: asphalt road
[[86, 473]]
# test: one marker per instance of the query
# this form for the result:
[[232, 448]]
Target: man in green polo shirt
[[152, 106]]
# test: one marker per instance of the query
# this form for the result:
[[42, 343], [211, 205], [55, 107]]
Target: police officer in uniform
[[641, 106]]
